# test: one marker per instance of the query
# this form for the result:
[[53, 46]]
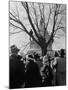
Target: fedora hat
[[14, 49]]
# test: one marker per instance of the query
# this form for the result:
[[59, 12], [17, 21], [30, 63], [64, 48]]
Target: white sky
[[22, 38]]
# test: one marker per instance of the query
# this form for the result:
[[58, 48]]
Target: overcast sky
[[21, 39]]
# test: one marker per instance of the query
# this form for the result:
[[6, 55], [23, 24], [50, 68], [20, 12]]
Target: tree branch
[[24, 28], [47, 21], [30, 21], [54, 23], [58, 29], [12, 16], [12, 33], [16, 26], [36, 18]]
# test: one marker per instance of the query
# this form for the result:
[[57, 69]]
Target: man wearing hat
[[61, 69], [16, 69], [14, 50]]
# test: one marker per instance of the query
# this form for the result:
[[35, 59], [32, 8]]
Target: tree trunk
[[44, 51]]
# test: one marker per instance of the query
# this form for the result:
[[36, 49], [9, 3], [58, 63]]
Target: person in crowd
[[45, 60], [61, 69], [56, 56], [16, 69], [54, 62], [47, 75], [38, 60], [36, 57], [33, 77], [54, 65]]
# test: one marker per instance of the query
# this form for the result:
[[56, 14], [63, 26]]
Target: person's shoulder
[[61, 60], [11, 57], [57, 58]]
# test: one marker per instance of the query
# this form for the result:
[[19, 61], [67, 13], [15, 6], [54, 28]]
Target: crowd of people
[[35, 70]]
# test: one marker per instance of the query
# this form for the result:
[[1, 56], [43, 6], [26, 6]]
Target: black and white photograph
[[37, 44]]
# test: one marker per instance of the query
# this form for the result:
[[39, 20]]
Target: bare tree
[[42, 21]]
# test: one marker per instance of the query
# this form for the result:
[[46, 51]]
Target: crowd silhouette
[[35, 70]]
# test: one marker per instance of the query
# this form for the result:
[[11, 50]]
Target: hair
[[36, 56], [62, 52], [30, 56], [56, 54]]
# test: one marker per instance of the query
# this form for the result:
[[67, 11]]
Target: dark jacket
[[33, 77], [17, 71]]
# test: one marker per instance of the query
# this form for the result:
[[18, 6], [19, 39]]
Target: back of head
[[36, 56], [30, 56], [62, 52], [56, 54]]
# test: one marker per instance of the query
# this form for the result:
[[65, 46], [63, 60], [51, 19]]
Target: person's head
[[62, 53], [14, 49], [36, 57], [56, 54], [29, 58]]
